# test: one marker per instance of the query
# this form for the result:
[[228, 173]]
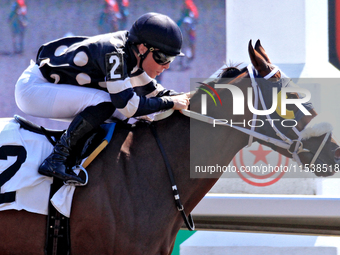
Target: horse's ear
[[257, 60], [260, 49]]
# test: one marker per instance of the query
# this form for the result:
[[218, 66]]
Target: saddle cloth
[[19, 170], [21, 186]]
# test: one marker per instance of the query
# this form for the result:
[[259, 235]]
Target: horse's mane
[[232, 71], [228, 74]]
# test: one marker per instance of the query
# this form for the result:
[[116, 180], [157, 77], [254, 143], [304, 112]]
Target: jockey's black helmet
[[158, 31]]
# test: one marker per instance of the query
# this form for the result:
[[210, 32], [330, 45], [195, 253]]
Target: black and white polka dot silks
[[104, 62]]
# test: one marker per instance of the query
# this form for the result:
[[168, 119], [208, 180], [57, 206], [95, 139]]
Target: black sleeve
[[168, 92], [153, 104]]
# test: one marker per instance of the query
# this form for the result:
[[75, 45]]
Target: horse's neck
[[136, 159], [213, 147], [211, 150], [131, 174], [192, 144]]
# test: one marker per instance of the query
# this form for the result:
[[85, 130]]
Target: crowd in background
[[17, 20], [112, 17]]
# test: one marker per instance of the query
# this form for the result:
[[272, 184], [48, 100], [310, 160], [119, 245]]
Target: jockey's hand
[[190, 94], [180, 102]]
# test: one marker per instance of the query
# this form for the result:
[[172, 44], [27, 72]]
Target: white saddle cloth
[[31, 189]]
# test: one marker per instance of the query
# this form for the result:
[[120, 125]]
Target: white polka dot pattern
[[56, 78], [102, 84], [44, 62], [60, 50], [83, 78], [81, 59]]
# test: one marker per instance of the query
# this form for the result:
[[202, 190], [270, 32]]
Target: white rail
[[269, 213]]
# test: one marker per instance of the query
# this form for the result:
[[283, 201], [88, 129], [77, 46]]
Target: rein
[[285, 142], [188, 220]]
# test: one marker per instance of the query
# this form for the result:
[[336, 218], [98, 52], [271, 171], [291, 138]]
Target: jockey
[[90, 79]]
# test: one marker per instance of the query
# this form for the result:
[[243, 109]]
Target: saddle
[[52, 135], [58, 225]]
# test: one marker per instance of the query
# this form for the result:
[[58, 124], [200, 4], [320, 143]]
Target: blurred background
[[300, 36], [42, 21]]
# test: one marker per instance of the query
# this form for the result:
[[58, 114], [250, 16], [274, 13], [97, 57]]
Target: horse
[[127, 206]]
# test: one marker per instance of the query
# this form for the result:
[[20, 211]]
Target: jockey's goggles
[[160, 57]]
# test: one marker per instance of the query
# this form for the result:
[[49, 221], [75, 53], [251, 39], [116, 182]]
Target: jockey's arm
[[131, 104]]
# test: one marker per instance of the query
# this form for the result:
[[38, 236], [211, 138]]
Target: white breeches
[[36, 96]]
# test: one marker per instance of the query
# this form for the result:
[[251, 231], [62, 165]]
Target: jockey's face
[[149, 64]]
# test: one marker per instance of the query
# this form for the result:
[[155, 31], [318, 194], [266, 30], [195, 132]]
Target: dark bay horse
[[127, 206]]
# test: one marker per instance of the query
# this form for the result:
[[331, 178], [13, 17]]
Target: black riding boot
[[57, 164]]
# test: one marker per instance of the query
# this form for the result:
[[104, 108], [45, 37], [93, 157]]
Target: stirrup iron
[[75, 183]]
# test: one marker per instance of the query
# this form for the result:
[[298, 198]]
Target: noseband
[[298, 148]]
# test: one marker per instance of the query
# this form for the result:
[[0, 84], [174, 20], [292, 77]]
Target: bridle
[[284, 142], [293, 146]]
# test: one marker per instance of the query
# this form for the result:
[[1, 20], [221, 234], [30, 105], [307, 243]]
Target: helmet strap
[[142, 57]]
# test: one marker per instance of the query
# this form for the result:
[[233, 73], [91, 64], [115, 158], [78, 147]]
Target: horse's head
[[296, 135], [312, 139]]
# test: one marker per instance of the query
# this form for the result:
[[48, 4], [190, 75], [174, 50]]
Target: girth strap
[[58, 228], [187, 219]]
